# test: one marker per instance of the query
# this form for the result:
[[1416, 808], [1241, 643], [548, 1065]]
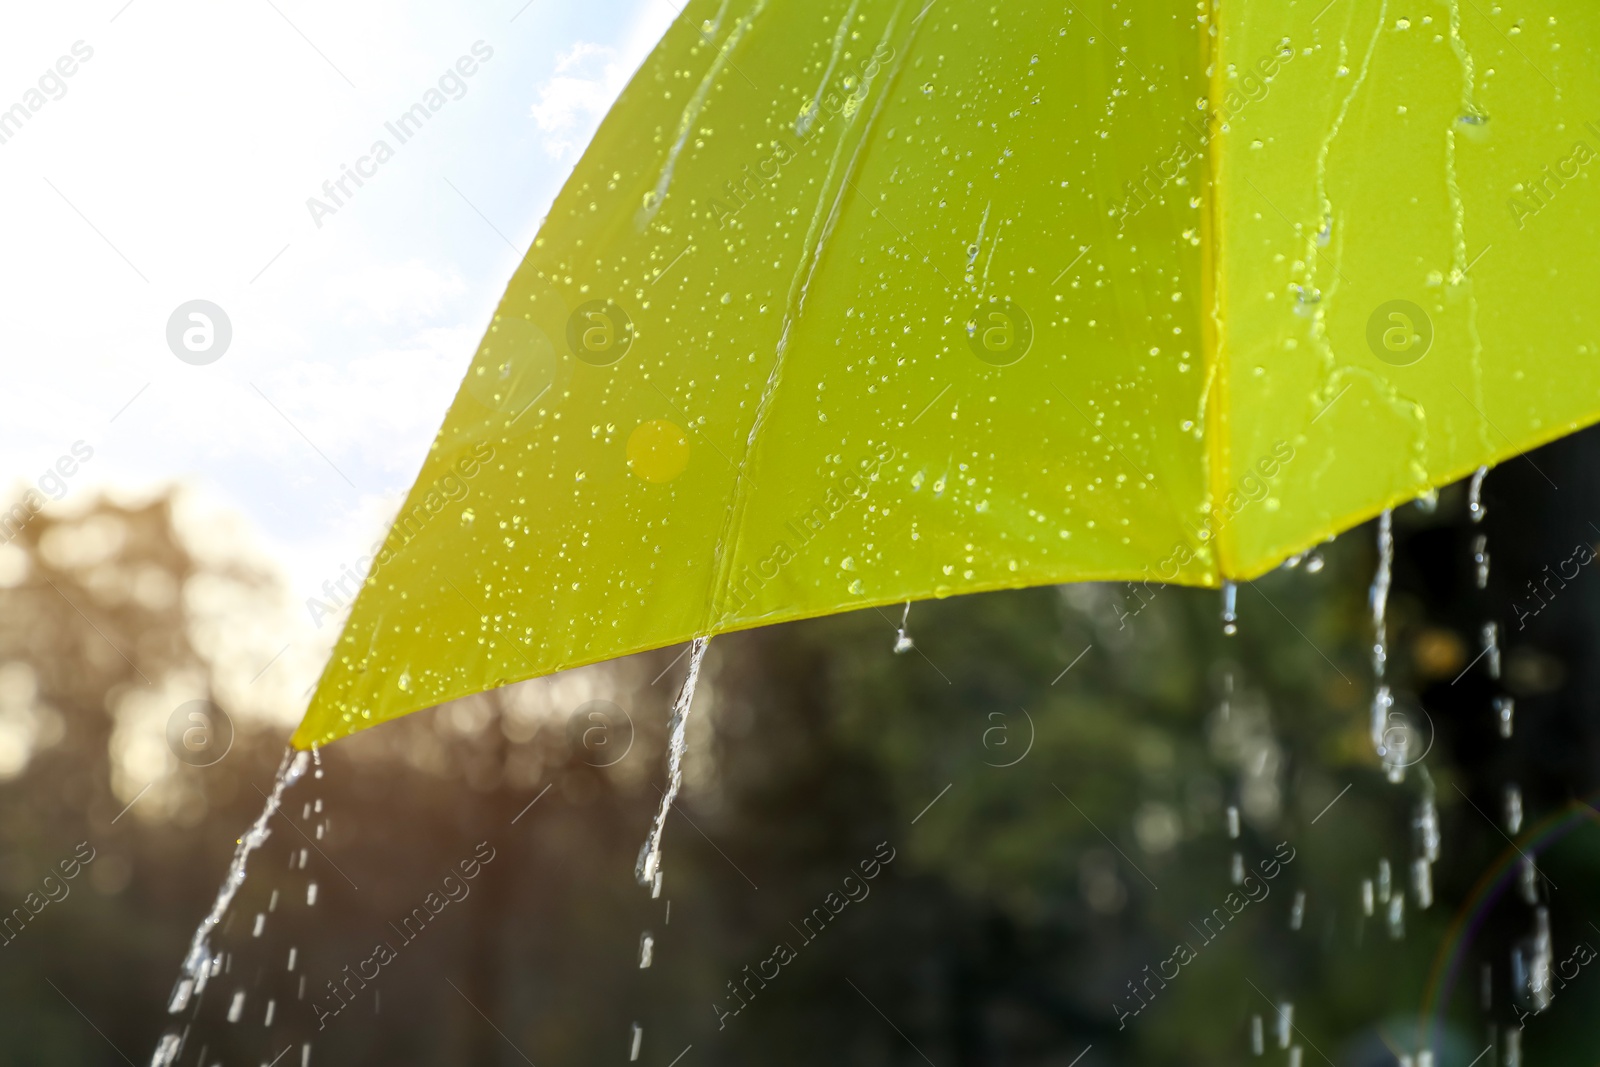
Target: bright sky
[[174, 164]]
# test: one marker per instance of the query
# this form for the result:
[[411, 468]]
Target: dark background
[[1017, 907]]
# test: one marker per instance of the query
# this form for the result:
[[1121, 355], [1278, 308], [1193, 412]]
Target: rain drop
[[1475, 495], [1422, 882], [1513, 808], [1504, 709], [902, 640], [1491, 649], [1397, 917]]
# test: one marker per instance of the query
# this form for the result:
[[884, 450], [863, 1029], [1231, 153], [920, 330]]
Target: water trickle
[[199, 963], [648, 868], [1257, 1042], [1480, 560], [1285, 1022], [1491, 649], [1422, 883], [1475, 495], [1528, 880], [1505, 708], [1513, 810], [902, 639], [166, 1051], [1378, 602], [1233, 821], [1297, 910], [1385, 882], [1230, 608], [1513, 1047], [1236, 871], [638, 1039], [1427, 824], [1366, 897], [1296, 1056], [236, 1009], [1397, 916], [1542, 953], [647, 949]]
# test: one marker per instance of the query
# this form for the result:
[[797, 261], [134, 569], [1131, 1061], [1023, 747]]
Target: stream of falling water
[[1531, 958], [1378, 601], [201, 964], [648, 868]]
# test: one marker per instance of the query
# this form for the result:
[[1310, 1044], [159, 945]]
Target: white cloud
[[571, 104], [177, 167]]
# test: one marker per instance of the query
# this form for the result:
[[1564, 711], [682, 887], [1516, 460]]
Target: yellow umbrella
[[852, 302]]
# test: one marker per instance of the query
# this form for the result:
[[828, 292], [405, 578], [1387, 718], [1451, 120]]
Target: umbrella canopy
[[852, 302]]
